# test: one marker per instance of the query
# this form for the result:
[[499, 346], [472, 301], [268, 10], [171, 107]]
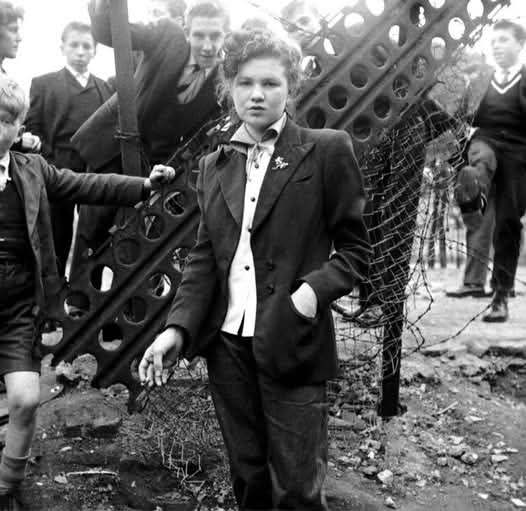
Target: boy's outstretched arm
[[115, 189]]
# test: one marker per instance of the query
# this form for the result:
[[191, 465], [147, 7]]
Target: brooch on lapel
[[280, 163]]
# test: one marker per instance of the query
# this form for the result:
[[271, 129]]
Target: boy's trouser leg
[[23, 393], [510, 207], [62, 220], [479, 236]]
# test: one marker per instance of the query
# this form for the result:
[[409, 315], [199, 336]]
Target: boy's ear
[[20, 132]]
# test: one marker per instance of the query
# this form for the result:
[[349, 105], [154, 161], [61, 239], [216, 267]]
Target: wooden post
[[128, 129]]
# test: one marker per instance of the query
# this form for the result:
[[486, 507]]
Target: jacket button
[[270, 265], [270, 288]]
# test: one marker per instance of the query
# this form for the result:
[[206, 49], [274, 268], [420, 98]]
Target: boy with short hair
[[28, 272], [60, 102], [303, 21], [497, 157]]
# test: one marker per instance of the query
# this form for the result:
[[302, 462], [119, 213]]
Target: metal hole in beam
[[362, 128], [379, 55], [382, 107], [375, 7], [354, 24], [76, 305], [338, 97], [110, 337], [316, 118], [152, 226], [53, 338], [438, 48], [420, 67], [101, 278], [401, 86], [135, 309], [359, 76], [475, 9], [180, 258], [456, 28], [311, 66], [398, 35], [126, 251], [417, 15], [175, 203], [159, 285]]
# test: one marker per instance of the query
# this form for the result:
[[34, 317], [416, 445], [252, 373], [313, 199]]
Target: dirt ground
[[460, 445]]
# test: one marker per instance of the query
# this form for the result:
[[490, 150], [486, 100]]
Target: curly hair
[[10, 13], [243, 45], [12, 98]]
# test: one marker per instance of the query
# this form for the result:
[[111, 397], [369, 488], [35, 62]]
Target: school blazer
[[50, 100], [311, 202], [38, 183]]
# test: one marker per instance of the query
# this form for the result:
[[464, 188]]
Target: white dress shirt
[[242, 295], [4, 171], [82, 78]]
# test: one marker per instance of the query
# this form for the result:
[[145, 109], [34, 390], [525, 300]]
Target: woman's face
[[260, 91]]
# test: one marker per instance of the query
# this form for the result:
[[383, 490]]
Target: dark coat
[[165, 52], [38, 183], [50, 106], [305, 210]]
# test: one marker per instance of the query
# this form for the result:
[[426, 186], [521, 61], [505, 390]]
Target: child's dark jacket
[[38, 184]]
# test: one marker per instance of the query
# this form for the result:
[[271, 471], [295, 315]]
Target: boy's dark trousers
[[510, 206], [62, 213], [275, 435]]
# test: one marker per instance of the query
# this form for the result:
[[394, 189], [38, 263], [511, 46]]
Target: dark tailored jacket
[[165, 53], [50, 106], [314, 203], [38, 183]]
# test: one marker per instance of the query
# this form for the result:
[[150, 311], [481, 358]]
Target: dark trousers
[[479, 236], [510, 206], [275, 435], [62, 213]]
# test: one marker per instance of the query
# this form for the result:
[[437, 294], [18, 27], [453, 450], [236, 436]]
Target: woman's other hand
[[162, 354]]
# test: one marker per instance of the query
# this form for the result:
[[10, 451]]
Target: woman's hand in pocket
[[305, 301]]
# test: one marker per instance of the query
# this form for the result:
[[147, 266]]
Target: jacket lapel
[[289, 152], [29, 189], [231, 173]]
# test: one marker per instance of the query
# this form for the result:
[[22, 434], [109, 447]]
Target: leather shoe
[[498, 312], [468, 290]]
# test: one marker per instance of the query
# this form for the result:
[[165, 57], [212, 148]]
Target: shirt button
[[256, 165], [247, 267], [253, 199], [249, 229]]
